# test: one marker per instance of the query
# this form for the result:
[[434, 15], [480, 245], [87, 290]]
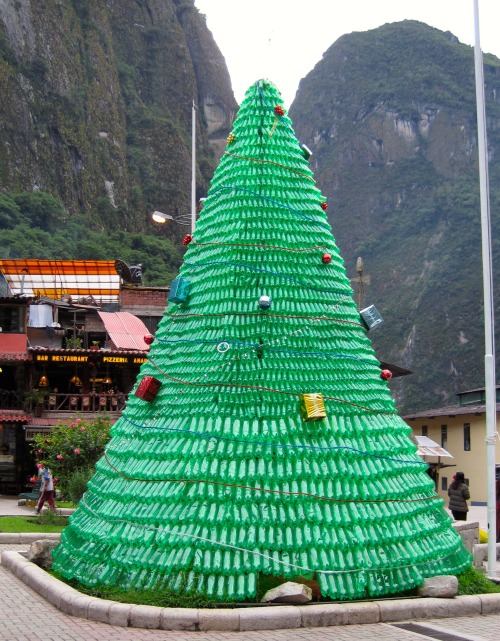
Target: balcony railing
[[91, 402], [9, 400]]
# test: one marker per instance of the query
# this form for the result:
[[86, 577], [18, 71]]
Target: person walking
[[459, 495], [46, 490]]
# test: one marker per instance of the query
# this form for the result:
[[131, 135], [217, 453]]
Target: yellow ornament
[[230, 139], [312, 407]]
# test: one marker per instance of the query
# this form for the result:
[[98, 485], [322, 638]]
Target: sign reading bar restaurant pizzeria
[[73, 358]]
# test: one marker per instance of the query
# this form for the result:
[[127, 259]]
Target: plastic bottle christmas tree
[[261, 438]]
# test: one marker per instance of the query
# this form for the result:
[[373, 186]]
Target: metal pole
[[489, 321], [193, 169]]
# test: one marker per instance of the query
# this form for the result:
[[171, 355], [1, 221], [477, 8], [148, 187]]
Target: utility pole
[[489, 321]]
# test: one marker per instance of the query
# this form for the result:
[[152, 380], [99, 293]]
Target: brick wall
[[148, 297]]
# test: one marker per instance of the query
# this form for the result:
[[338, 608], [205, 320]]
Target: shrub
[[76, 484], [72, 450]]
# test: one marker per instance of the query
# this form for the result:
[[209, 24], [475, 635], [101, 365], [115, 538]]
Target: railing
[[91, 402], [9, 400]]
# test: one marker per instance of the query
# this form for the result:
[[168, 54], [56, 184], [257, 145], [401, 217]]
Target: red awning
[[14, 416], [125, 330], [13, 347]]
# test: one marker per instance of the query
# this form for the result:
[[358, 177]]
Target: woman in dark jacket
[[459, 495]]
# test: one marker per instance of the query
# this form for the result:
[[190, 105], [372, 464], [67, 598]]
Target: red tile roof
[[13, 347], [450, 410], [14, 356], [14, 416]]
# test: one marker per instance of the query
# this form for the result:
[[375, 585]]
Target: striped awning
[[55, 279], [428, 447]]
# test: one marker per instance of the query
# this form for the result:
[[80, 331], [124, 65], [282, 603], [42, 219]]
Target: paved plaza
[[26, 616]]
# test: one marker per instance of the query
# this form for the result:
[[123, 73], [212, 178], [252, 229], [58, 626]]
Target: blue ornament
[[179, 290]]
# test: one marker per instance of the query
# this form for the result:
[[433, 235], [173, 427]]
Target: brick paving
[[25, 616]]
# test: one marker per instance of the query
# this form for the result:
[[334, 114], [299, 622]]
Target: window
[[444, 436], [12, 319], [475, 397], [466, 437], [425, 430], [444, 483]]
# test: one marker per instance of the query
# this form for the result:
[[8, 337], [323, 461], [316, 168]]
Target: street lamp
[[160, 217]]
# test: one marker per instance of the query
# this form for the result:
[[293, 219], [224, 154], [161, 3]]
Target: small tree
[[71, 452]]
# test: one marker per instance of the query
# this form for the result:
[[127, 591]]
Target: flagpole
[[489, 321]]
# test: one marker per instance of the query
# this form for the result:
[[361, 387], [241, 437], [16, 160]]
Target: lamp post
[[193, 168], [160, 217]]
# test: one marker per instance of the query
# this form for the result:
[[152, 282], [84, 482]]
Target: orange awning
[[58, 278]]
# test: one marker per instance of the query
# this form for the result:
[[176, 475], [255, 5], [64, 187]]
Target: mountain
[[96, 106], [95, 122], [390, 115]]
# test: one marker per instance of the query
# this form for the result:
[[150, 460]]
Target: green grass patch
[[469, 582], [43, 523], [162, 598], [473, 582], [66, 504]]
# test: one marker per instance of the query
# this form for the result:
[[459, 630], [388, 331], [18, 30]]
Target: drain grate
[[431, 633]]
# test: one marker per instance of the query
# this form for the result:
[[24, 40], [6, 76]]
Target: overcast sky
[[283, 41]]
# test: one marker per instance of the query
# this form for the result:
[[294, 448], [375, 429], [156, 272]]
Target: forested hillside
[[95, 112], [390, 115]]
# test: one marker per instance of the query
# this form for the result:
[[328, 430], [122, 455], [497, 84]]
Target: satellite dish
[[123, 270], [136, 274]]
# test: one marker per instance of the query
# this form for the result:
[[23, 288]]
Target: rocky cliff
[[390, 115], [96, 105]]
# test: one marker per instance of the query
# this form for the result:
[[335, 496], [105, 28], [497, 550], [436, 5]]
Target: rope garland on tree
[[261, 388], [361, 571], [266, 490], [271, 162], [290, 446], [322, 223], [263, 245], [268, 271]]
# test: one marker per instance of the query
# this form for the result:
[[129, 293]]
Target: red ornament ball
[[386, 374], [324, 206], [279, 111], [326, 258], [187, 239], [148, 339]]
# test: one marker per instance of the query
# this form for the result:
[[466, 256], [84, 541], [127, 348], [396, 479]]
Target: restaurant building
[[71, 343]]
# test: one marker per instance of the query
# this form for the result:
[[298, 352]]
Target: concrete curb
[[27, 537], [60, 511], [75, 603]]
